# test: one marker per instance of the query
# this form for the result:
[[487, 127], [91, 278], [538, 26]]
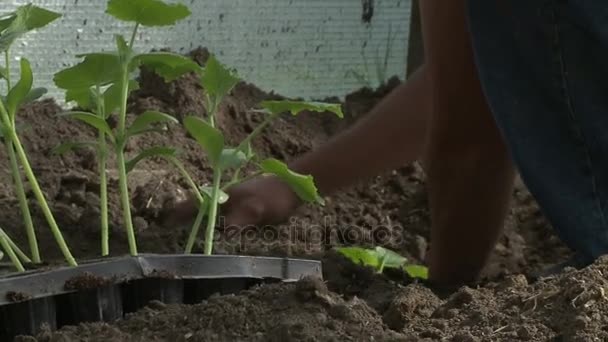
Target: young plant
[[15, 254], [217, 82], [101, 84], [380, 258], [13, 26]]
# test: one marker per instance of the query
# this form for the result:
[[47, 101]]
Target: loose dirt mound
[[391, 204]]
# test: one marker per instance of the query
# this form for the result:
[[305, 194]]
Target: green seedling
[[218, 81], [13, 26], [101, 85], [380, 258]]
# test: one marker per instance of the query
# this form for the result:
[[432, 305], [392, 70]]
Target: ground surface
[[352, 304]]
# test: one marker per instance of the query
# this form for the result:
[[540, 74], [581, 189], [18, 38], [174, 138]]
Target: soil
[[351, 303]]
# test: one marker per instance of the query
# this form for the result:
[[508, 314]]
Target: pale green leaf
[[145, 120], [85, 98], [302, 185], [19, 92], [170, 66], [147, 12], [360, 256], [25, 19], [158, 151], [97, 69], [417, 271], [92, 120], [217, 80], [207, 191], [388, 258], [296, 107], [34, 95], [232, 158], [208, 137]]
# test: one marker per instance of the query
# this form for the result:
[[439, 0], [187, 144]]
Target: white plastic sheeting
[[299, 48]]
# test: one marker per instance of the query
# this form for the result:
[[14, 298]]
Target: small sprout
[[380, 258], [218, 81]]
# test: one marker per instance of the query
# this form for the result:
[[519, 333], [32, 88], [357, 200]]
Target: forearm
[[391, 135]]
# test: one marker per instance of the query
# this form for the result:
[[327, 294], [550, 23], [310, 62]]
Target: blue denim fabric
[[544, 69]]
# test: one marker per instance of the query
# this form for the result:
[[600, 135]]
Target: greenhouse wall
[[310, 49]]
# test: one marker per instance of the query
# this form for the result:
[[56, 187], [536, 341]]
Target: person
[[505, 86]]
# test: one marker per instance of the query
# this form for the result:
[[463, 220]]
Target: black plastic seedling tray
[[107, 289]]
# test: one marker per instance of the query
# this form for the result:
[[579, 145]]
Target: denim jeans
[[543, 65]]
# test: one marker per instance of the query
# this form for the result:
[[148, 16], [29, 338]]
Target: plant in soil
[[218, 81], [380, 258], [101, 83], [13, 26]]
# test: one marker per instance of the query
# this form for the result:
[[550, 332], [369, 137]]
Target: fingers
[[243, 212]]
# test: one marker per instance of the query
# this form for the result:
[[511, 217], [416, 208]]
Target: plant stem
[[133, 34], [11, 253], [125, 201], [103, 182], [7, 65], [195, 228], [256, 131], [29, 174], [213, 205], [23, 204], [41, 200], [202, 207], [18, 251]]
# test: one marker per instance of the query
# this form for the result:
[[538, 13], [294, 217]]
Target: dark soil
[[352, 304], [86, 281]]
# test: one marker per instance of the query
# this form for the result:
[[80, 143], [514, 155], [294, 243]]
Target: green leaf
[[3, 73], [158, 151], [92, 120], [168, 65], [296, 107], [145, 120], [302, 185], [207, 190], [34, 95], [360, 256], [70, 146], [389, 258], [97, 69], [112, 95], [232, 158], [417, 271], [208, 137], [6, 20], [19, 92], [147, 12], [217, 80], [84, 98], [26, 18]]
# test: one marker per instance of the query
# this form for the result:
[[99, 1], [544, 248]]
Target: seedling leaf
[[19, 92], [147, 12], [26, 18], [302, 185], [217, 80], [417, 271], [34, 95], [3, 73], [144, 121], [96, 69], [92, 120], [208, 137], [389, 258], [112, 96], [360, 256], [158, 151], [222, 197], [231, 158], [70, 146], [168, 65], [296, 107]]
